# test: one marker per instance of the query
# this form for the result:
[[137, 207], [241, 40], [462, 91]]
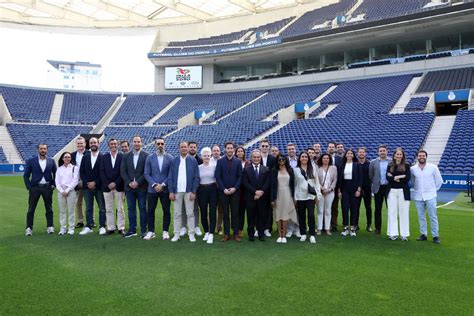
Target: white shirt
[[264, 160], [207, 174], [79, 158], [136, 155], [348, 171], [94, 158], [113, 158], [213, 161], [67, 178], [293, 162], [42, 163], [181, 186], [160, 158], [426, 182]]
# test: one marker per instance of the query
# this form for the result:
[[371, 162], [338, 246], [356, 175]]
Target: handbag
[[311, 189]]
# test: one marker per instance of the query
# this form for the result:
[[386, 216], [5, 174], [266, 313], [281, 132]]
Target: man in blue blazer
[[183, 182], [157, 166], [39, 179], [112, 187], [133, 174], [91, 183], [228, 177]]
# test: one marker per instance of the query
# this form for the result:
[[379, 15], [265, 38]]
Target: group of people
[[300, 192]]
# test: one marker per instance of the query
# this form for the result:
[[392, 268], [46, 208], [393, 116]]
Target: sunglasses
[[281, 159], [160, 144], [265, 146]]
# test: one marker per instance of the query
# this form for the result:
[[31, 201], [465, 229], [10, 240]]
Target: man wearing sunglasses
[[268, 161]]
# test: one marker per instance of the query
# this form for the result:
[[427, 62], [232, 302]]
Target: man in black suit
[[90, 177], [336, 161], [76, 159], [268, 161], [112, 187], [256, 180], [133, 174], [366, 193], [39, 181]]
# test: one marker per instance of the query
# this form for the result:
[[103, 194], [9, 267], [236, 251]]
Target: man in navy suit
[[133, 175], [112, 187], [228, 177], [268, 161], [183, 182], [157, 166], [336, 161], [256, 181], [39, 181], [90, 177]]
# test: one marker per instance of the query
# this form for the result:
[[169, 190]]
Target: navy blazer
[[192, 175], [128, 171], [89, 174], [226, 177], [251, 183], [109, 174], [153, 174], [274, 183], [356, 181], [33, 169]]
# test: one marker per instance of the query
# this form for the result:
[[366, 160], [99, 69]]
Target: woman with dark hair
[[240, 154], [350, 186], [307, 192], [67, 177], [282, 182], [327, 176], [398, 200]]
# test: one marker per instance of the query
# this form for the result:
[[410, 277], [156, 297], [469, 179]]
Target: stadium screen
[[186, 77]]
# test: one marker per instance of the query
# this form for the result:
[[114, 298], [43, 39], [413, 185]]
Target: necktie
[[256, 171]]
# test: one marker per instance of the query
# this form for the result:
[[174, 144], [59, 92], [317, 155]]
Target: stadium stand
[[3, 157], [28, 105], [383, 9], [138, 109], [458, 154], [28, 136], [450, 79], [85, 108], [416, 104]]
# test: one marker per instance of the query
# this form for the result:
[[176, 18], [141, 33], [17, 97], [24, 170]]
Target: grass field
[[51, 274]]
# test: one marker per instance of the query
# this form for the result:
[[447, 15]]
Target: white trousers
[[324, 211], [67, 209], [398, 207], [109, 198], [183, 200]]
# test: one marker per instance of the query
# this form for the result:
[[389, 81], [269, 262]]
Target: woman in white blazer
[[327, 176]]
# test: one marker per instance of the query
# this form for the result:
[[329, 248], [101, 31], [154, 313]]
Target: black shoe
[[261, 238], [422, 238], [436, 240], [368, 228], [79, 225], [334, 229], [251, 239], [120, 232], [358, 228], [377, 232], [110, 232]]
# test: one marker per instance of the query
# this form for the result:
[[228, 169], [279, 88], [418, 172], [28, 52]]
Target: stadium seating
[[458, 155], [416, 104], [148, 133], [451, 79], [138, 109], [85, 108], [383, 9], [28, 105], [222, 103], [3, 157], [28, 136]]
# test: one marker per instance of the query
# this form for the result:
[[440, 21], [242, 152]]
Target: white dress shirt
[[79, 158], [426, 182], [160, 158], [348, 171], [181, 186], [42, 163], [264, 160], [113, 159], [136, 155], [94, 158]]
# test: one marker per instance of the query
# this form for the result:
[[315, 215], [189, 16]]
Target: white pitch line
[[450, 202]]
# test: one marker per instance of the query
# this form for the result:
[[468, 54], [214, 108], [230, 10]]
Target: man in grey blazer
[[377, 175], [132, 171], [157, 166]]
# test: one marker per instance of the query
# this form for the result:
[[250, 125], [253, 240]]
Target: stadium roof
[[131, 13]]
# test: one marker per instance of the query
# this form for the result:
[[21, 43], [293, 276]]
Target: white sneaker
[[62, 231], [289, 233], [345, 232], [279, 240], [166, 235], [283, 240], [255, 234], [197, 231], [86, 231], [312, 239], [353, 233], [210, 239], [175, 238], [28, 231], [70, 231], [267, 233], [183, 231], [303, 238], [206, 236], [192, 238], [149, 236], [102, 231], [50, 230], [297, 234]]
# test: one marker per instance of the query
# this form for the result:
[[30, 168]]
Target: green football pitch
[[50, 274]]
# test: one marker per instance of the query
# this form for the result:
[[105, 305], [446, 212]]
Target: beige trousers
[[67, 205], [183, 200], [109, 198]]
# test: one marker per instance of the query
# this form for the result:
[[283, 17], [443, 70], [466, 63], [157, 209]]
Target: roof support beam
[[126, 14], [187, 10], [244, 4]]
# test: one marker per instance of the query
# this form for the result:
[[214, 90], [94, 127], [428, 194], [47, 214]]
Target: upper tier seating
[[450, 79], [416, 104], [28, 105], [85, 108], [138, 109]]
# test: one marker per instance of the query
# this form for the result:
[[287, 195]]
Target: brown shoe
[[328, 232], [237, 238], [226, 238], [241, 233]]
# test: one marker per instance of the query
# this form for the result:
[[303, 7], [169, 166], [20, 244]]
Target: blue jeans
[[132, 197], [430, 205], [89, 196]]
